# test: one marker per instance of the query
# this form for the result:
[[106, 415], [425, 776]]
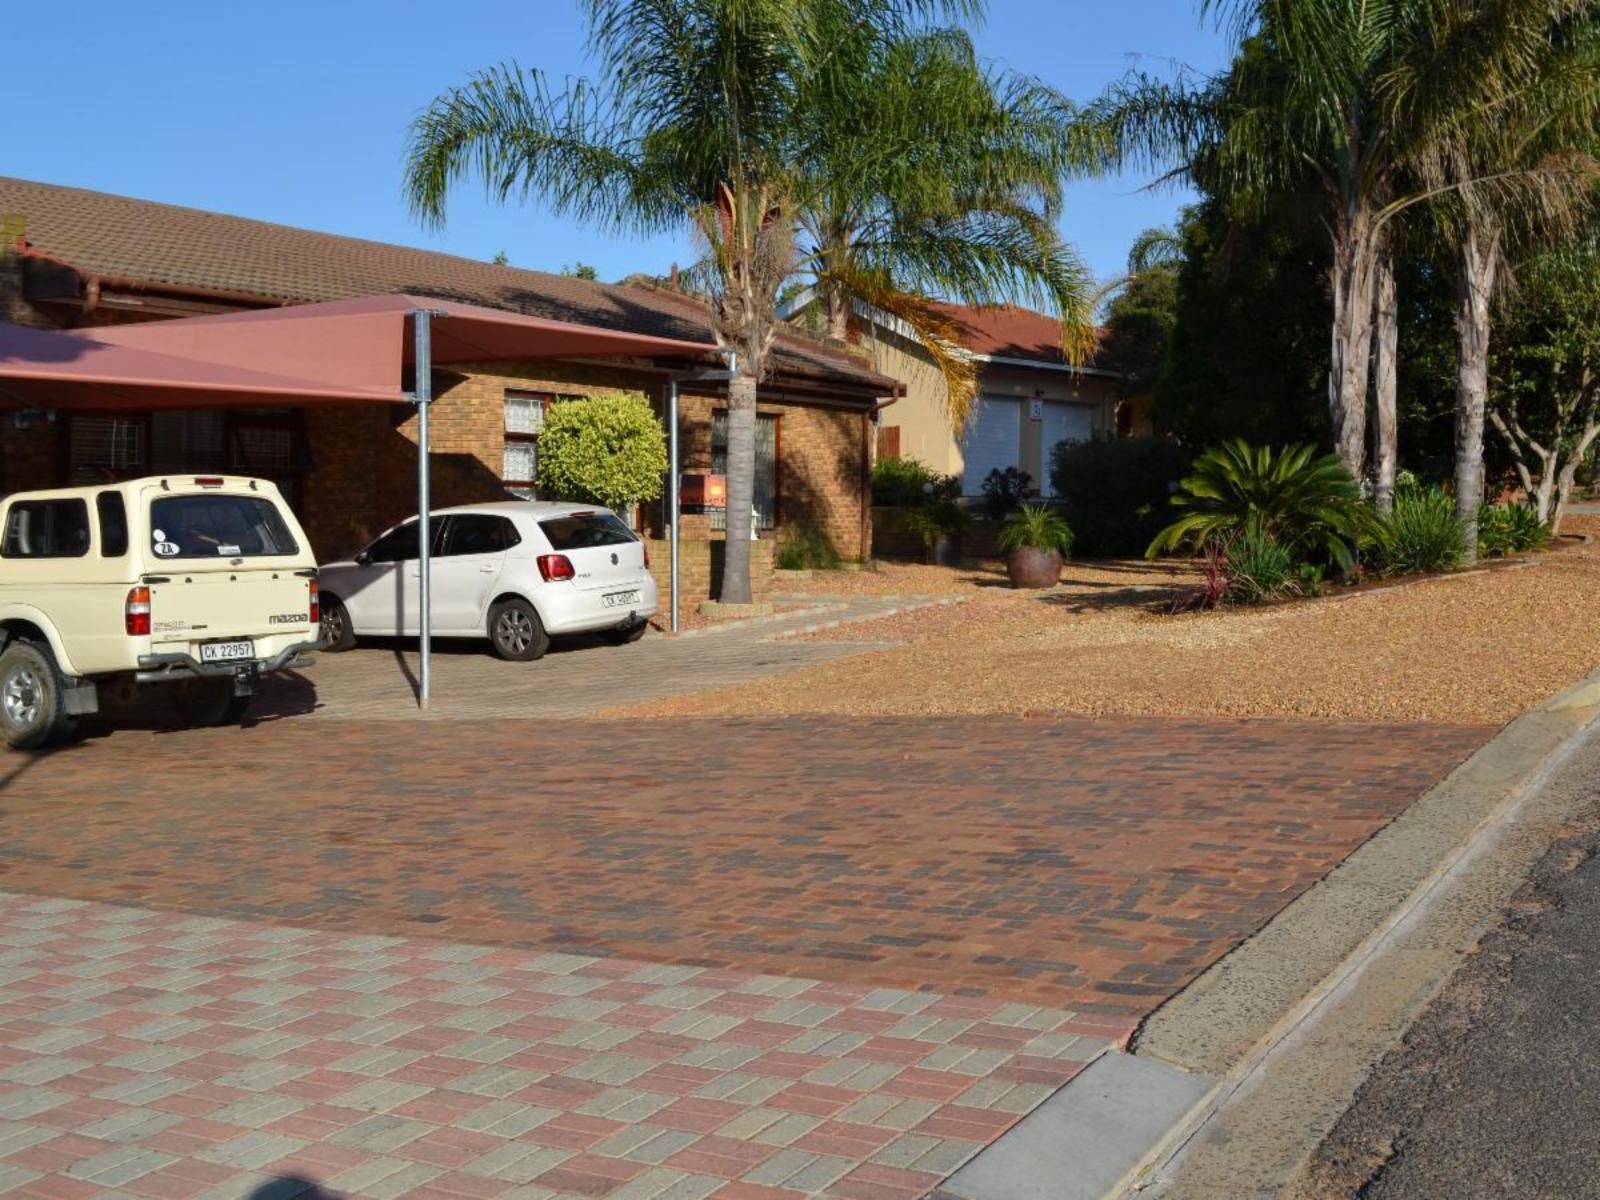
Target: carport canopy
[[42, 368], [363, 343]]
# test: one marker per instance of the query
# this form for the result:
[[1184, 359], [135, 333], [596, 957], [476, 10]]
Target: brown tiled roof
[[164, 244], [1006, 331]]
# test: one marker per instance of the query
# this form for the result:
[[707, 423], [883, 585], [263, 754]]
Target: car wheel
[[32, 714], [516, 632], [335, 634], [203, 703], [627, 634]]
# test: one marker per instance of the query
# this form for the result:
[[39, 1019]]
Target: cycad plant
[[1311, 505]]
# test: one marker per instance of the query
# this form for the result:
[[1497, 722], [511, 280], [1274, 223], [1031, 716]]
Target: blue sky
[[296, 111]]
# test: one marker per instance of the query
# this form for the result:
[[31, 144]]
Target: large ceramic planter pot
[[1031, 567], [946, 552]]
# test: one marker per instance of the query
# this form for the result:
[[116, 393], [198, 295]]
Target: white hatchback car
[[515, 572]]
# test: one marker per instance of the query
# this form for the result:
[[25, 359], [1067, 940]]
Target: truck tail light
[[136, 613], [316, 604], [555, 566]]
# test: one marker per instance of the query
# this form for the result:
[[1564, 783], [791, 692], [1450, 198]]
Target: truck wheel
[[203, 703], [336, 634], [516, 632], [31, 711]]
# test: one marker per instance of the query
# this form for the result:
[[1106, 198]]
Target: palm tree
[[955, 194], [1334, 101], [708, 115], [1523, 179]]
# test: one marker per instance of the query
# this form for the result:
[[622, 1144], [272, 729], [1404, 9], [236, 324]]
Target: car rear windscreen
[[586, 530], [218, 527]]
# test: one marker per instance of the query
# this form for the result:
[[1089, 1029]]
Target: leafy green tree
[[1142, 312], [1546, 374], [1248, 347], [608, 449], [705, 117], [581, 270]]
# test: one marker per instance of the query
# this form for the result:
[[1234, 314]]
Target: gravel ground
[[1476, 647]]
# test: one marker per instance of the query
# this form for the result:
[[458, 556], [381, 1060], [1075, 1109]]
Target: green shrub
[[1003, 491], [1422, 534], [805, 547], [607, 449], [1313, 506], [1260, 568], [937, 519], [1510, 529], [1114, 493], [908, 482], [1038, 526]]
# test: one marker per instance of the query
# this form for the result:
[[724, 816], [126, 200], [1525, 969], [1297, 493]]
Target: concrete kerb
[[1213, 1037]]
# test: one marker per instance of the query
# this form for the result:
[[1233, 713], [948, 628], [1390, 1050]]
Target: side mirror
[[364, 559]]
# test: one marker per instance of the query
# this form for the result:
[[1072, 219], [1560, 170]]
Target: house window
[[519, 469], [102, 448], [766, 489]]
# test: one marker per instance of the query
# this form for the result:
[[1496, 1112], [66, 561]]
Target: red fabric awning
[[41, 368], [365, 342]]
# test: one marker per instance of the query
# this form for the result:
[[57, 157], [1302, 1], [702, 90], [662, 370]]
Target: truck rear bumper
[[157, 668]]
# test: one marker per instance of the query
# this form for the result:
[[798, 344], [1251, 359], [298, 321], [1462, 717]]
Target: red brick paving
[[1083, 864]]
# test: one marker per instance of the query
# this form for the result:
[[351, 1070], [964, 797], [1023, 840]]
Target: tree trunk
[[1351, 351], [1480, 256], [838, 302], [741, 482], [1385, 358]]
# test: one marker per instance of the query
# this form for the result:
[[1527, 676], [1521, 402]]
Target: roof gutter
[[1002, 360]]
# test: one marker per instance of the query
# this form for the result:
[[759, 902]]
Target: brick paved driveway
[[578, 676], [696, 958]]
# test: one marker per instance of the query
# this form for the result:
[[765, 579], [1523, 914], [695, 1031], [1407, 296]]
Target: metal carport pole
[[422, 327], [674, 485]]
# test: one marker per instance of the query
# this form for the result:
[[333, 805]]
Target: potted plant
[[940, 523], [1036, 538]]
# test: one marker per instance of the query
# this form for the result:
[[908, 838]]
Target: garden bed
[[1471, 647]]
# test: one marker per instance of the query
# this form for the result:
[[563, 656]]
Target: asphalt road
[[1495, 1091]]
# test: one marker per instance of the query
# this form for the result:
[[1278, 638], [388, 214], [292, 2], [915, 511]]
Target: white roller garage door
[[1062, 423], [993, 441]]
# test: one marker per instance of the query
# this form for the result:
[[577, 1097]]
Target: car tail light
[[316, 604], [646, 546], [209, 481], [136, 613], [555, 566]]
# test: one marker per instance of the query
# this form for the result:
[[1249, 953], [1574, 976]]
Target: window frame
[[286, 544], [101, 500], [65, 501], [510, 537], [777, 464]]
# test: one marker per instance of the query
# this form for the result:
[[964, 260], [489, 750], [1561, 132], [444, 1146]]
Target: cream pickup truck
[[201, 585]]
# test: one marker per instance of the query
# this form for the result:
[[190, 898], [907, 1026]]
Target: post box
[[704, 491]]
